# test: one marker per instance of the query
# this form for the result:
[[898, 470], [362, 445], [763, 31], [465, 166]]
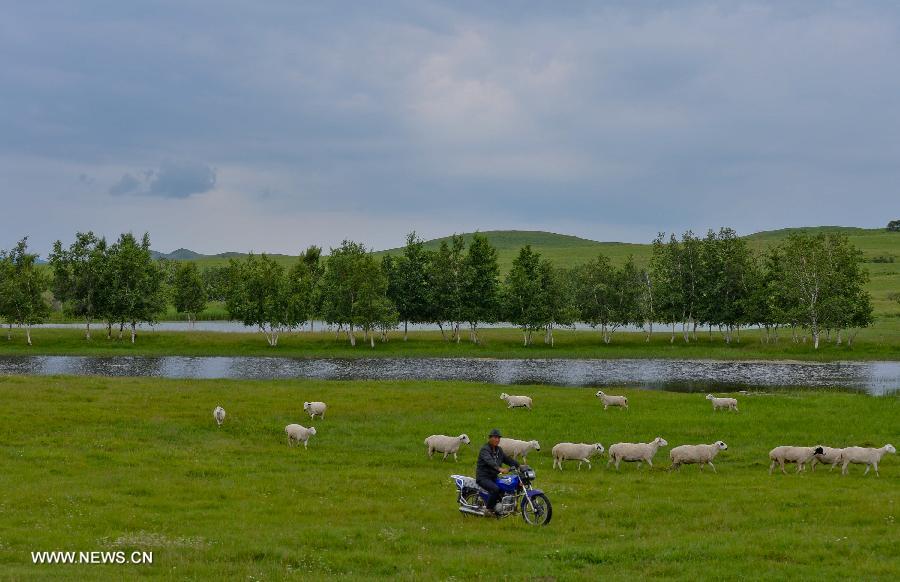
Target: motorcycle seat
[[465, 482]]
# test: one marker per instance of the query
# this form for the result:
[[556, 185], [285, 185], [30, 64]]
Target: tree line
[[809, 284]]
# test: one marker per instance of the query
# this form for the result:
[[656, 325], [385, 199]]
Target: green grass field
[[880, 343], [139, 464]]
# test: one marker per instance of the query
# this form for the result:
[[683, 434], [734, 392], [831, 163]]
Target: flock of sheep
[[645, 452], [701, 455], [296, 433]]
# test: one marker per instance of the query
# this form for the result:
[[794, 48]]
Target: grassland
[[882, 343], [139, 464]]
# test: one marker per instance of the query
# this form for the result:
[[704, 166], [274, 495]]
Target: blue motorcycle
[[517, 493]]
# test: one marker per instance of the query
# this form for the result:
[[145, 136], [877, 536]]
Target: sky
[[268, 126]]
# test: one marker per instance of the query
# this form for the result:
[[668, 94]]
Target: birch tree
[[480, 290], [21, 289], [137, 283], [188, 291], [78, 281], [524, 298], [408, 282]]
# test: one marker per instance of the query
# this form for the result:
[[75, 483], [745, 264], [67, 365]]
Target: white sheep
[[219, 415], [699, 454], [640, 452], [828, 456], [865, 456], [299, 434], [722, 403], [315, 409], [445, 444], [580, 452], [788, 454], [608, 400], [515, 447], [516, 401]]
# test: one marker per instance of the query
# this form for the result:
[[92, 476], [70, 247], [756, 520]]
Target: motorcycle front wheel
[[541, 513]]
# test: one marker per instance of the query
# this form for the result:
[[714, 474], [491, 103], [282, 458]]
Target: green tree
[[446, 280], [524, 299], [481, 284], [354, 289], [138, 292], [408, 282], [558, 298], [21, 289], [188, 290], [312, 258], [263, 294], [78, 277]]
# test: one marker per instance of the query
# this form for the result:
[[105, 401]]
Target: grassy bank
[[138, 464], [882, 343]]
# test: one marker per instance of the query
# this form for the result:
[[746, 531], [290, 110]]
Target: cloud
[[173, 179]]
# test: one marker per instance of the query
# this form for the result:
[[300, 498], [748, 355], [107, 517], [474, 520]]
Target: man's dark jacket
[[489, 462]]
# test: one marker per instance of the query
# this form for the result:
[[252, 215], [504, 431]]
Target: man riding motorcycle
[[491, 459]]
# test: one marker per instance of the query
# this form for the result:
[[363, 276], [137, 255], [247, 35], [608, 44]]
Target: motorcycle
[[517, 492]]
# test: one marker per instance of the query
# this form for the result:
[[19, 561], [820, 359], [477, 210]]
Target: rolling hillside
[[567, 250]]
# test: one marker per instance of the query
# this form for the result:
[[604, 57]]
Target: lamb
[[608, 400], [700, 454], [829, 456], [722, 403], [515, 447], [219, 415], [445, 444], [300, 434], [315, 409], [516, 401], [789, 454], [639, 452], [865, 456], [580, 452]]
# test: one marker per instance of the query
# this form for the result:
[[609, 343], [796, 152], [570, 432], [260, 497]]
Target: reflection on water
[[659, 374]]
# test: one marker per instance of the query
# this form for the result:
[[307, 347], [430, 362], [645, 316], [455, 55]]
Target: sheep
[[700, 454], [300, 434], [608, 400], [829, 456], [722, 403], [515, 447], [445, 444], [639, 452], [865, 456], [580, 452], [516, 401], [315, 409], [219, 415], [789, 454]]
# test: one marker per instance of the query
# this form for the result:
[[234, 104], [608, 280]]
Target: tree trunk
[[839, 337], [351, 335], [121, 329], [672, 339], [815, 333], [9, 333], [372, 339], [108, 330], [133, 331], [28, 333], [87, 332], [405, 330], [441, 327], [525, 333]]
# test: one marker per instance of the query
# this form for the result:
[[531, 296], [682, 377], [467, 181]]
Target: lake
[[877, 378]]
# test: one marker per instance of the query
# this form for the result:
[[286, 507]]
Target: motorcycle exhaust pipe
[[471, 510]]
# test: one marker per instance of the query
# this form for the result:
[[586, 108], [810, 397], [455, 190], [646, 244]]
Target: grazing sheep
[[640, 452], [299, 434], [699, 454], [515, 447], [580, 452], [789, 454], [828, 456], [722, 403], [864, 456], [516, 401], [445, 444], [219, 415], [608, 400], [315, 409]]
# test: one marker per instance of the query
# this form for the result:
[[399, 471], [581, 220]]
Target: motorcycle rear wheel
[[473, 498], [542, 512]]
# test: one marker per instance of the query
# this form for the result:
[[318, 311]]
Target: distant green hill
[[567, 250]]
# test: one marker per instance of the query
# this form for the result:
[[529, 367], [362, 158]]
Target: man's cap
[[495, 433]]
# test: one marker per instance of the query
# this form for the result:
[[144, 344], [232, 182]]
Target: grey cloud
[[173, 179]]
